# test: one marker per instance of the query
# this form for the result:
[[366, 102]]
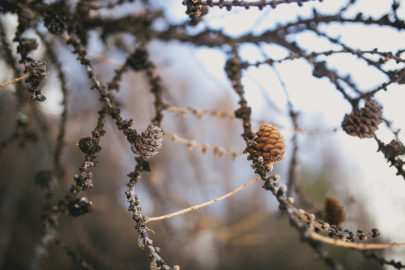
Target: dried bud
[[55, 19], [26, 18], [88, 145], [149, 142], [269, 144], [335, 212], [38, 96], [397, 147], [80, 207], [43, 179], [154, 265], [282, 189], [363, 122], [393, 149], [363, 237], [195, 11], [375, 232], [26, 45], [84, 179], [232, 67], [139, 59], [320, 69]]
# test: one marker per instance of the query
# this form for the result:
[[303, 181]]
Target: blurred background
[[246, 231]]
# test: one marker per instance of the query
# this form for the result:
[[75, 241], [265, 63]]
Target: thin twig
[[15, 80], [259, 4], [362, 246], [198, 206], [105, 59], [218, 151]]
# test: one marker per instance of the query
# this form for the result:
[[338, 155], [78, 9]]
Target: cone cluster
[[363, 122], [269, 143], [149, 142]]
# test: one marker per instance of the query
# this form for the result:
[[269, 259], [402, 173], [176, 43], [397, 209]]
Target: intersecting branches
[[308, 228], [73, 24], [136, 140]]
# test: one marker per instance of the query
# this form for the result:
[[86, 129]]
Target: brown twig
[[361, 246], [15, 80], [218, 151], [198, 206]]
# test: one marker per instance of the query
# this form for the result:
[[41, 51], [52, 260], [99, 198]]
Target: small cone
[[363, 122], [269, 144], [149, 142]]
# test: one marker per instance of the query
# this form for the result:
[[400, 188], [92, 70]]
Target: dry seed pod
[[335, 212], [363, 122], [269, 144]]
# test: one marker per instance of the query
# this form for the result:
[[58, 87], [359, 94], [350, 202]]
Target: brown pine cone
[[269, 143], [363, 122]]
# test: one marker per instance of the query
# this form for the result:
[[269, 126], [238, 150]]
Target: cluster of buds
[[84, 179], [38, 72]]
